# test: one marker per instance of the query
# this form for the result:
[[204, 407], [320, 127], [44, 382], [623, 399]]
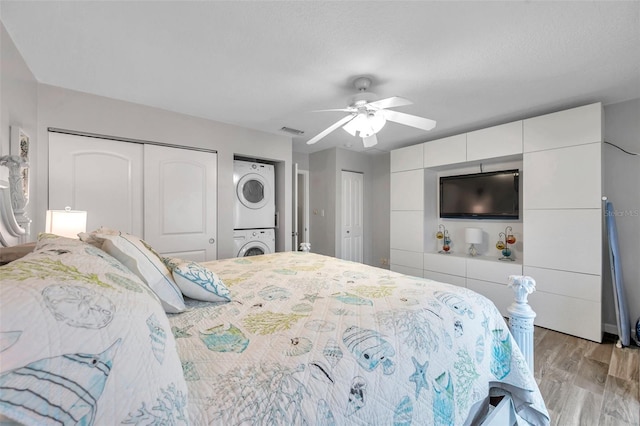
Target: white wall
[[322, 201], [622, 187], [325, 169], [302, 159], [18, 103], [67, 109], [381, 215]]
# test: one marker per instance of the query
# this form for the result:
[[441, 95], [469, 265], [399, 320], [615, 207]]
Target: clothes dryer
[[255, 205], [253, 242]]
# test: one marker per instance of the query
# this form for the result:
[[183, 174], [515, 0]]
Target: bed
[[287, 339], [103, 330]]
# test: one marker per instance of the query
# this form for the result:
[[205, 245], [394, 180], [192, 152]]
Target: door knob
[[212, 240]]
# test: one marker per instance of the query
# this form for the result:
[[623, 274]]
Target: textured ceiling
[[265, 65]]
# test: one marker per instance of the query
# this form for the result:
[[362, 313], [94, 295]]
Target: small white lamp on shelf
[[66, 223], [473, 236]]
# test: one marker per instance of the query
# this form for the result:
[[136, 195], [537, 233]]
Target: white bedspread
[[308, 339]]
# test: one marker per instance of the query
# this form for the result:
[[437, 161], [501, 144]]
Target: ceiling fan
[[367, 117]]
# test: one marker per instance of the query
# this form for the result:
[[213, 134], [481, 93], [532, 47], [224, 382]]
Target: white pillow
[[138, 256], [197, 282]]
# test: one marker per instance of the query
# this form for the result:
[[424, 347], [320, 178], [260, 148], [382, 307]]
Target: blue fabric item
[[622, 313]]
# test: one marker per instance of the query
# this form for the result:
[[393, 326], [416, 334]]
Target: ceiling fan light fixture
[[365, 124], [376, 120]]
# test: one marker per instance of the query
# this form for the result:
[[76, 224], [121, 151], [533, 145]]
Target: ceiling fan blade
[[337, 109], [392, 102], [353, 126], [370, 141], [409, 120], [330, 129]]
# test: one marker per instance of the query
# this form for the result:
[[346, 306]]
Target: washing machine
[[255, 205], [253, 242]]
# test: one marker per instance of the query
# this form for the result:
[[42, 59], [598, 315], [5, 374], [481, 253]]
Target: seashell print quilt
[[309, 339], [83, 341]]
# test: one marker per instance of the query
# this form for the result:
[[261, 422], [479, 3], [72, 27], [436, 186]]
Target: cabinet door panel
[[406, 230], [572, 284], [563, 178], [451, 150], [495, 271], [412, 259], [578, 317], [409, 158], [414, 272], [445, 263], [101, 176], [445, 278], [180, 202], [499, 294], [407, 190], [575, 126], [493, 142], [566, 240]]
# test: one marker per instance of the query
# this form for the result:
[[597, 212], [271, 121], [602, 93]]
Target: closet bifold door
[[100, 176], [180, 202]]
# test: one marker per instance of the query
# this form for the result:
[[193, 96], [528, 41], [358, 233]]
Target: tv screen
[[492, 195]]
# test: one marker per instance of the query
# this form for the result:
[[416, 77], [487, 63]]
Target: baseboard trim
[[611, 329]]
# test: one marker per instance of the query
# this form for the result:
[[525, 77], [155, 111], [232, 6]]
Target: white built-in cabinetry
[[407, 210], [562, 224], [445, 151], [496, 141], [561, 214]]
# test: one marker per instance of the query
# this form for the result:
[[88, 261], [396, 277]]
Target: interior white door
[[101, 176], [180, 202], [352, 216], [294, 232]]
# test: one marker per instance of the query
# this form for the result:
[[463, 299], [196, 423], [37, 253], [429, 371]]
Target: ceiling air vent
[[292, 131]]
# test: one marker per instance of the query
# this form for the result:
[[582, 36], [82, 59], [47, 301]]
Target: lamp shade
[[66, 223], [473, 235]]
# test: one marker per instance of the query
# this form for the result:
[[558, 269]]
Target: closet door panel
[[101, 176], [180, 202]]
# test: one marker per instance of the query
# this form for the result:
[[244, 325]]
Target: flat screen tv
[[492, 195]]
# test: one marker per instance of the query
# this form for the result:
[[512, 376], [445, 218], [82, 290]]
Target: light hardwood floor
[[585, 383]]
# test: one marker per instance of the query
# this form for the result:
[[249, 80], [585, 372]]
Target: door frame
[[306, 226], [343, 210]]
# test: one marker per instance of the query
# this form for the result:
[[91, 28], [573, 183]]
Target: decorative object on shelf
[[66, 223], [305, 247], [506, 238], [521, 319], [443, 235], [473, 236]]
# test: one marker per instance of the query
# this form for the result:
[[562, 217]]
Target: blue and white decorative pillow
[[197, 282], [145, 262]]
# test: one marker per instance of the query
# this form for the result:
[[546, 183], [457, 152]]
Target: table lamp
[[66, 223], [473, 236]]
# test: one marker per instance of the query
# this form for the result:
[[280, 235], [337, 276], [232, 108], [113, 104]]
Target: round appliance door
[[254, 248], [253, 191]]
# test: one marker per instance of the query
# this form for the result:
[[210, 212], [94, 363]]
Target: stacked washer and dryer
[[254, 208]]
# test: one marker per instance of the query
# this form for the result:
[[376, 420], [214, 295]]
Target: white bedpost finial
[[521, 315]]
